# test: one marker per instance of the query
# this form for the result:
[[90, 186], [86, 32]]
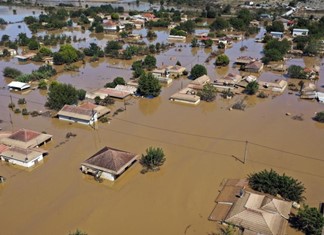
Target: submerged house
[[108, 163], [86, 113], [22, 157], [24, 138], [253, 67], [255, 213], [243, 60], [21, 147], [186, 95], [18, 85]]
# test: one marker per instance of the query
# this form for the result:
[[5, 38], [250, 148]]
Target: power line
[[180, 132]]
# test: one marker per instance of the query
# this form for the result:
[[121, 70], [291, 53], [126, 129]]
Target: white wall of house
[[81, 121], [107, 176], [104, 175], [299, 33], [23, 164]]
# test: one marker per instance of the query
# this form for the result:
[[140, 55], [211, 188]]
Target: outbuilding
[[300, 32], [18, 85]]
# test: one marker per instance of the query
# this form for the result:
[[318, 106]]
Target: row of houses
[[21, 148]]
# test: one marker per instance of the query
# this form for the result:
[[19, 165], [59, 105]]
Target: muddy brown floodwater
[[203, 145]]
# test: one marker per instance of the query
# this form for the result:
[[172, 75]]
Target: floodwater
[[203, 145]]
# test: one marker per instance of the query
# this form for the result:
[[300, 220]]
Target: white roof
[[18, 85], [300, 30]]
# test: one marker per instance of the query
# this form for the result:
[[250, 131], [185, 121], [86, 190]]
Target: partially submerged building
[[22, 147], [255, 213], [18, 85], [120, 92], [86, 113], [253, 67], [24, 138], [108, 163], [186, 95], [23, 157]]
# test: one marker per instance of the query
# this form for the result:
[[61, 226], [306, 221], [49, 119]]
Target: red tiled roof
[[3, 148], [24, 135]]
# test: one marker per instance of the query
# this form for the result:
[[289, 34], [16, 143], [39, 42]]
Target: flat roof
[[18, 85]]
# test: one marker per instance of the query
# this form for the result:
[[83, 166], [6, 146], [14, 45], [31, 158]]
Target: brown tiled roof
[[76, 112], [220, 212], [260, 213], [24, 135], [111, 160]]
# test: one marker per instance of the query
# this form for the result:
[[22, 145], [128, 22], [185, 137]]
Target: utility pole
[[11, 122], [11, 104], [246, 151]]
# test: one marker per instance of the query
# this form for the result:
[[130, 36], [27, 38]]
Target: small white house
[[277, 35], [22, 157], [300, 32], [18, 86]]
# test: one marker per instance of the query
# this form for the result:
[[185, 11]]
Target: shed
[[18, 85], [108, 163], [277, 35], [300, 32]]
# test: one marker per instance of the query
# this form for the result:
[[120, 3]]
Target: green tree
[[115, 16], [208, 93], [44, 51], [5, 38], [115, 82], [67, 55], [112, 46], [61, 94], [151, 35], [222, 60], [78, 232], [99, 28], [33, 45], [219, 24], [319, 117], [152, 160], [276, 26], [252, 88], [197, 71], [273, 183], [208, 43], [296, 71], [308, 220], [194, 42], [11, 72], [149, 62], [42, 85], [81, 94], [148, 85]]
